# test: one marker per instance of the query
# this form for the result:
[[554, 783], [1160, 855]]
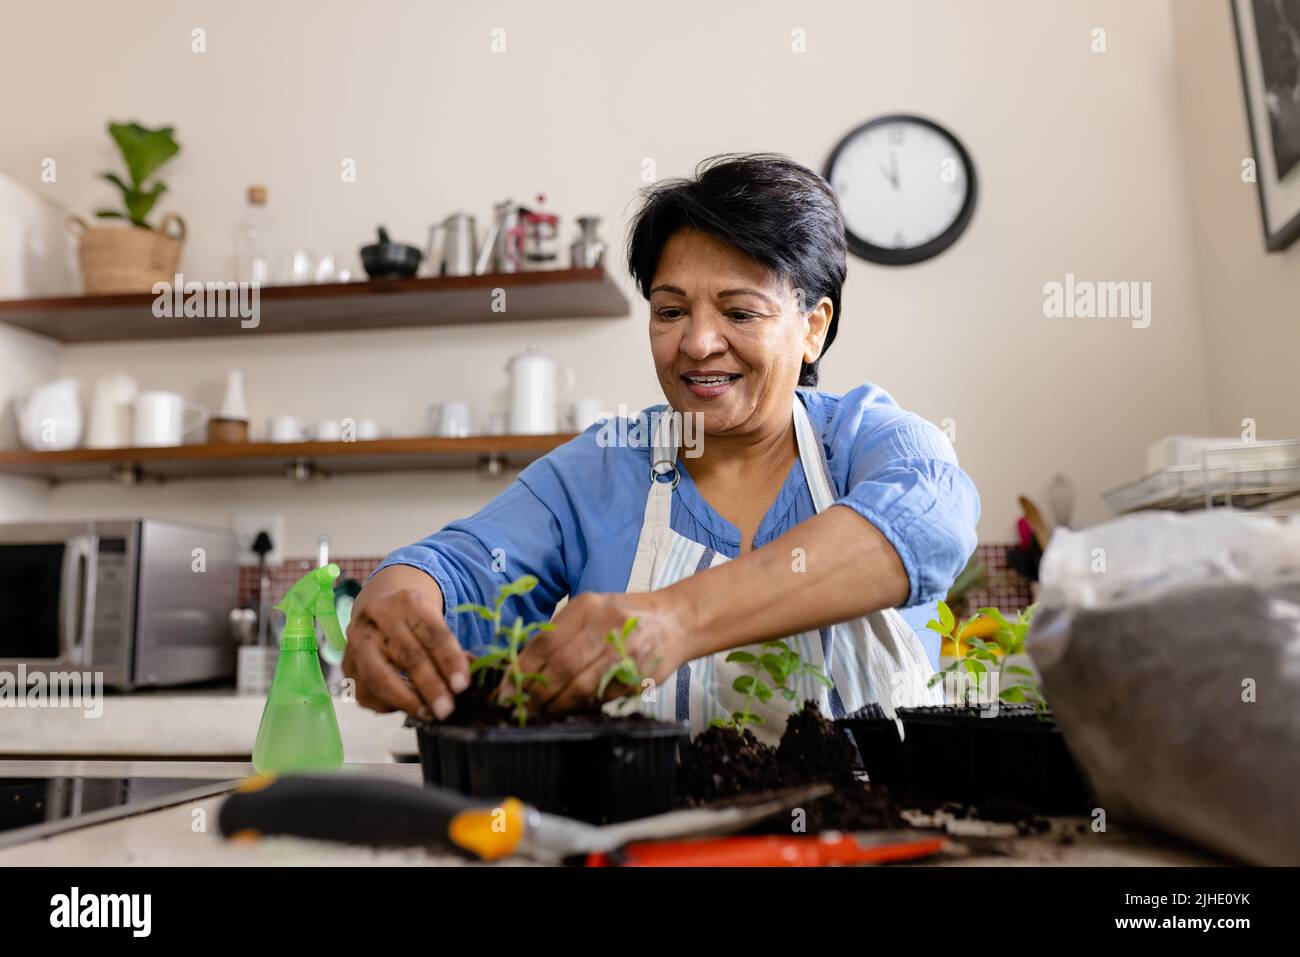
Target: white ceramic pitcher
[[49, 419]]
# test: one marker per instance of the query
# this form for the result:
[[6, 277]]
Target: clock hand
[[893, 163], [893, 179]]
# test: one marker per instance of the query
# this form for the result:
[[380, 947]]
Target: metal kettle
[[459, 245]]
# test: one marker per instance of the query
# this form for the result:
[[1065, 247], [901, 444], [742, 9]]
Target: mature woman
[[800, 516]]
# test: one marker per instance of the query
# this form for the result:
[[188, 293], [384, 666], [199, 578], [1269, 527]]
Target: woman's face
[[727, 337]]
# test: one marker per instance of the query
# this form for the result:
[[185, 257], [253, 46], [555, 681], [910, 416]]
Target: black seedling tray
[[955, 753], [880, 746], [600, 772]]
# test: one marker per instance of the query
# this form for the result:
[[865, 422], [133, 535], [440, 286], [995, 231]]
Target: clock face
[[906, 186]]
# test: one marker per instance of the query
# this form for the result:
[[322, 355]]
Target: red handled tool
[[823, 850]]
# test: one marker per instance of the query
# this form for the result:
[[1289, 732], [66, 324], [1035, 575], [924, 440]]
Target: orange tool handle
[[766, 851]]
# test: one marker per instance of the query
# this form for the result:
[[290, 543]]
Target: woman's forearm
[[831, 568]]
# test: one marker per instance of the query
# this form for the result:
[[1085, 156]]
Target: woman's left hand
[[575, 656]]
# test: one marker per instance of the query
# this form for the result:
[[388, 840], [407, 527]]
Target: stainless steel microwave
[[145, 602]]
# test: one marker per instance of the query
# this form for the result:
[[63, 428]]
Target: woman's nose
[[703, 337]]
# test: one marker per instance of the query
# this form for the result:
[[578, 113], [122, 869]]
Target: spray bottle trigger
[[335, 640]]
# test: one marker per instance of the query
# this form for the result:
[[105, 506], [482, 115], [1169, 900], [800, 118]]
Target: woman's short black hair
[[780, 214]]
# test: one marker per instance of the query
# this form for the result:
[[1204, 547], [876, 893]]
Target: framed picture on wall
[[1268, 46]]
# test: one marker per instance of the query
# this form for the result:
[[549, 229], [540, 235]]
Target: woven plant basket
[[132, 259]]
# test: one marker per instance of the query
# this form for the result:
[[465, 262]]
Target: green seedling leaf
[[774, 667], [741, 657], [996, 615], [946, 620], [520, 586], [482, 612], [486, 661], [605, 679], [1018, 670], [762, 691], [744, 684]]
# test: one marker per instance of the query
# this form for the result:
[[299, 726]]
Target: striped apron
[[876, 658]]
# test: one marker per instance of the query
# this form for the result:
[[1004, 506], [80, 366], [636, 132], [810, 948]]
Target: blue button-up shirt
[[573, 517]]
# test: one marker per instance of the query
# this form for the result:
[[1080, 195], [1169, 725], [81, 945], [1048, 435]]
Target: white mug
[[585, 413], [110, 412], [160, 418], [285, 428], [450, 420]]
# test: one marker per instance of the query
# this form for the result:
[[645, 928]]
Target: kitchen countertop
[[180, 724], [178, 836]]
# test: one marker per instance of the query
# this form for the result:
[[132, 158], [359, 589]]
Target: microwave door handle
[[72, 597], [88, 602]]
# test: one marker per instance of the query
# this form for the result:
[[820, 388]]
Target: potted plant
[[999, 742], [727, 758], [132, 259], [592, 766]]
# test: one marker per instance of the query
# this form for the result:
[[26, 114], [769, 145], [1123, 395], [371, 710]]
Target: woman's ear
[[819, 320]]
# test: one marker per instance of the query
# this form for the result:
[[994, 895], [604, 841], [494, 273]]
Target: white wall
[[1079, 157], [1248, 296], [25, 362]]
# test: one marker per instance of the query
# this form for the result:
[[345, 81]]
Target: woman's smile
[[709, 383]]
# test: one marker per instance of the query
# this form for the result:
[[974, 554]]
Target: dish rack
[[1260, 476]]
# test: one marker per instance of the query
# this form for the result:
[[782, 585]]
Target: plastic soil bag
[[1169, 651]]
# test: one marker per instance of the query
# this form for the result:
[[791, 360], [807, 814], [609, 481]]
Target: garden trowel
[[360, 809]]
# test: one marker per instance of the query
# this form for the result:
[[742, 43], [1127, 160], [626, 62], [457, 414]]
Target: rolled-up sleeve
[[900, 473], [514, 534]]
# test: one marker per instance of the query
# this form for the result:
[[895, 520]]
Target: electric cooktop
[[37, 806]]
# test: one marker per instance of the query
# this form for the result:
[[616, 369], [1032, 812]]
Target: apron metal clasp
[[657, 473]]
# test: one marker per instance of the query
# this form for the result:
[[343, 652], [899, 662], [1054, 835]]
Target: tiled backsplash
[[1008, 590], [286, 573]]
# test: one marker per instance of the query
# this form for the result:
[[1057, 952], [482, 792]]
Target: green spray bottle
[[299, 731]]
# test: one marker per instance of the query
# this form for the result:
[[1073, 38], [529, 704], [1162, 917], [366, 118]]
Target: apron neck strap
[[667, 442]]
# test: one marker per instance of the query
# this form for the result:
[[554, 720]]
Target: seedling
[[506, 656], [976, 655], [625, 670], [781, 664]]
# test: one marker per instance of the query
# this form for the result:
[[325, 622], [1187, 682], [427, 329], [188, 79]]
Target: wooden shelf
[[279, 458], [334, 307]]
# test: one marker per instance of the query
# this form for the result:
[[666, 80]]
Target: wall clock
[[907, 188]]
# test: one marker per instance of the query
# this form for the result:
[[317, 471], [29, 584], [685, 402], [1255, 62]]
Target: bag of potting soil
[[1169, 650]]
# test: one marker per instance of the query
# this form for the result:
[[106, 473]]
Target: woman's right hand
[[396, 626]]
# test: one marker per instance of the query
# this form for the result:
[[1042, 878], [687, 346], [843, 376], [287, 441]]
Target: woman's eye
[[741, 316], [668, 312]]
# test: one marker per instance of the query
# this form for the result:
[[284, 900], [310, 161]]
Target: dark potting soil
[[476, 707], [723, 763], [812, 748]]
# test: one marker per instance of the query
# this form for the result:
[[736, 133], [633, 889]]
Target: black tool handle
[[348, 807]]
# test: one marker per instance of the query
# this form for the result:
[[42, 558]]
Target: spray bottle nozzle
[[311, 599]]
